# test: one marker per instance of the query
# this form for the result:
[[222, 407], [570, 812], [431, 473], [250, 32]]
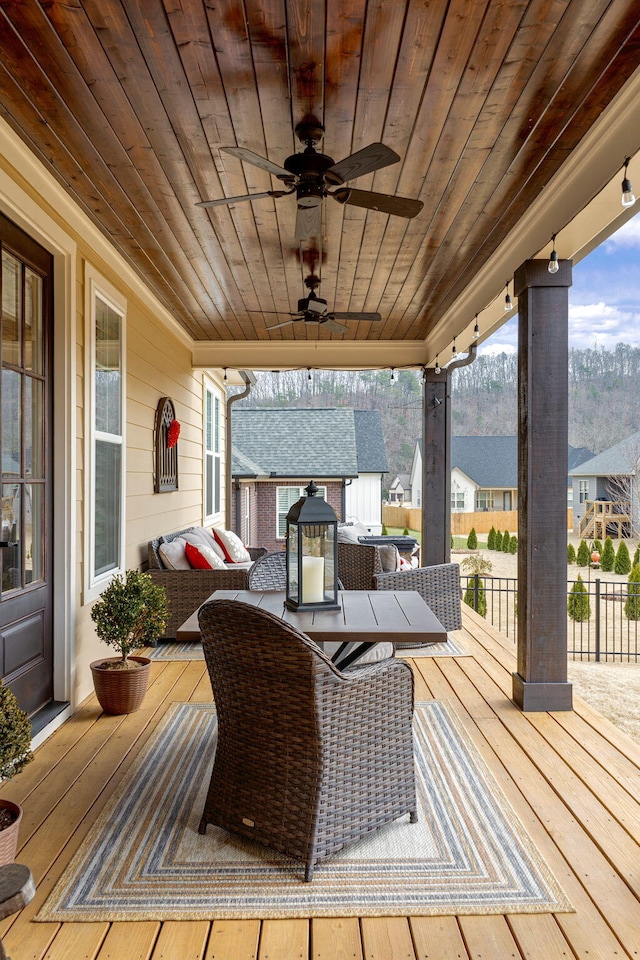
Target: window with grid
[[212, 453], [457, 500], [285, 499], [583, 490]]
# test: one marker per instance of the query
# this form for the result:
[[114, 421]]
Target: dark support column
[[436, 469], [543, 310]]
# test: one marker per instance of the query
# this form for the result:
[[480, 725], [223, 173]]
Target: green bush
[[15, 735], [132, 612], [571, 553], [608, 556], [491, 539], [477, 601], [472, 540], [513, 545], [623, 561], [596, 545], [636, 557], [385, 532], [498, 541], [583, 555], [578, 606], [506, 540], [632, 603], [405, 532]]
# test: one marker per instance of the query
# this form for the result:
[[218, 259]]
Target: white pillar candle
[[312, 579]]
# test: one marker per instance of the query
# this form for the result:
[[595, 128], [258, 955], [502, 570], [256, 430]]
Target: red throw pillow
[[232, 546], [197, 557]]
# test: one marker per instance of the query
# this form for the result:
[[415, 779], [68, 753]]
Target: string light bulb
[[476, 329], [225, 376], [393, 375], [308, 373], [424, 374], [507, 300], [437, 369], [628, 196], [454, 352], [553, 266]]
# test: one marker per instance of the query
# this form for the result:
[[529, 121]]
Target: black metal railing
[[603, 626]]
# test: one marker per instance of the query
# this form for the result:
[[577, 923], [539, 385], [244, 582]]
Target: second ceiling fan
[[312, 176], [313, 309]]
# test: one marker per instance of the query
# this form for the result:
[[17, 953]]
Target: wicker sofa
[[187, 589]]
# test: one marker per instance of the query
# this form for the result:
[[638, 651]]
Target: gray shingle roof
[[325, 442], [372, 456], [620, 459], [492, 462]]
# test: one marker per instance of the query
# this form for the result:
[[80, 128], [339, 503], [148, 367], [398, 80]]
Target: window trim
[[213, 390], [583, 491], [97, 287], [322, 491]]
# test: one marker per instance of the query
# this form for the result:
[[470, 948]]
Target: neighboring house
[[277, 451], [613, 475], [400, 490], [484, 473]]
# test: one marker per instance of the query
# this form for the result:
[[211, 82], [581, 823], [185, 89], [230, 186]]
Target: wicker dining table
[[365, 617]]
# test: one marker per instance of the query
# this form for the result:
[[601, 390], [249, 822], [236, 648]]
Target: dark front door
[[26, 635]]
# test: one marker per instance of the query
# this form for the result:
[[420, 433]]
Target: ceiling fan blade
[[370, 158], [225, 201], [333, 325], [249, 157], [384, 202], [284, 323], [355, 316], [308, 222]]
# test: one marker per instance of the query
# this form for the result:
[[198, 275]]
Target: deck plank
[[335, 938], [181, 940], [133, 940], [233, 940], [284, 940], [437, 938], [386, 938]]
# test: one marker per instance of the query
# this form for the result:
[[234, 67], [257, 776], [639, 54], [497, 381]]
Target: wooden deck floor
[[573, 778]]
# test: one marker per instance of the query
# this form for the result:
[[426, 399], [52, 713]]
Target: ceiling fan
[[310, 175], [313, 309]]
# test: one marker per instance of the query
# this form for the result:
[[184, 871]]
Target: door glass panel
[[107, 507], [108, 395], [33, 532], [11, 579], [34, 428], [11, 303], [33, 358], [11, 423]]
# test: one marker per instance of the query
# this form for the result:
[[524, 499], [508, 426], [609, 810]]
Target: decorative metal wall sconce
[[167, 431]]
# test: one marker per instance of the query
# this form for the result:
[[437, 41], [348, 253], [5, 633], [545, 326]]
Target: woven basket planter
[[9, 837], [120, 691]]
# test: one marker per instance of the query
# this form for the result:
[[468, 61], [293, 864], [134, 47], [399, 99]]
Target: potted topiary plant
[[15, 752], [131, 613]]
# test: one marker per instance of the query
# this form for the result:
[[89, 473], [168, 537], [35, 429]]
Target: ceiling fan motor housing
[[309, 168]]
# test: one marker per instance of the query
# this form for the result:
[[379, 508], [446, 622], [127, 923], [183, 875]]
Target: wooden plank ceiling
[[128, 104]]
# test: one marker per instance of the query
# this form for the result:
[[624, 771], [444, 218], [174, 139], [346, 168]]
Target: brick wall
[[263, 508]]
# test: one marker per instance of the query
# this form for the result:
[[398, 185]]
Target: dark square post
[[436, 469], [543, 312]]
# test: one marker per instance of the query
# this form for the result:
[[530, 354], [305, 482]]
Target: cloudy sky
[[604, 301]]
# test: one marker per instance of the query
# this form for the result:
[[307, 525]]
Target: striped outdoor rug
[[193, 651], [144, 858]]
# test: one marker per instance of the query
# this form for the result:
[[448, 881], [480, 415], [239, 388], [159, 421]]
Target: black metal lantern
[[312, 554]]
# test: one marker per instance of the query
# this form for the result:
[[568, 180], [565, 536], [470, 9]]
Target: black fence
[[606, 627]]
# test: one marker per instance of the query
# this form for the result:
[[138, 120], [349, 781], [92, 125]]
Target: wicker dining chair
[[438, 585], [269, 572], [358, 564], [308, 758]]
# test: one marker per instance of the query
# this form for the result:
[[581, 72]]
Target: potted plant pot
[[131, 613], [15, 752], [121, 691]]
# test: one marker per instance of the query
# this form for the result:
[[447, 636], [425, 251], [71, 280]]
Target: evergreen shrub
[[498, 541], [608, 556], [477, 601], [578, 606], [571, 553], [513, 545], [506, 540], [472, 540], [583, 555], [623, 561], [632, 603], [491, 539]]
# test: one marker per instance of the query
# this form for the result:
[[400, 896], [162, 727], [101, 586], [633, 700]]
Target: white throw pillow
[[234, 549], [208, 538], [173, 556]]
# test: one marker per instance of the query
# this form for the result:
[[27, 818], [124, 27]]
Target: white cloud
[[626, 236], [603, 325], [496, 347]]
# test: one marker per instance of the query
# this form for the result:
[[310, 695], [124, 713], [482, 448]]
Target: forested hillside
[[604, 398]]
